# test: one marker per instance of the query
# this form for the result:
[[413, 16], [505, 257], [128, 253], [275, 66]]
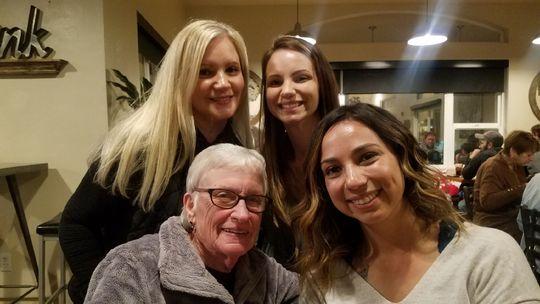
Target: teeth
[[234, 231], [366, 199], [221, 99], [290, 105]]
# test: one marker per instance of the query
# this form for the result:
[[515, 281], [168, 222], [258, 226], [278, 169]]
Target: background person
[[298, 89], [490, 144], [375, 227], [530, 200], [428, 145], [137, 176], [206, 255], [534, 166], [464, 152], [500, 183]]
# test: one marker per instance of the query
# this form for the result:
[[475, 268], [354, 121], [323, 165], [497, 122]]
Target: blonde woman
[[137, 176]]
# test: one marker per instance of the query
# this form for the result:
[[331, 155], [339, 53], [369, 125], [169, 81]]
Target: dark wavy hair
[[326, 234], [276, 146]]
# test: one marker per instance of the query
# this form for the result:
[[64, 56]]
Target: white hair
[[223, 156]]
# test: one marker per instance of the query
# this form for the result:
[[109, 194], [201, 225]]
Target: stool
[[49, 231]]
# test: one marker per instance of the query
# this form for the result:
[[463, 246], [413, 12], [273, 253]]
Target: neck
[[210, 129], [299, 134], [389, 236], [216, 261]]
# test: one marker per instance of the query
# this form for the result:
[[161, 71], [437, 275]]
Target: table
[[9, 170]]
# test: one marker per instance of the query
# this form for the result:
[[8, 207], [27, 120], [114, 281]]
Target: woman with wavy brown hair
[[298, 89], [375, 228]]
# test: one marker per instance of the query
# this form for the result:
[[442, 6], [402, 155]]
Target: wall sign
[[534, 96], [23, 53], [18, 44]]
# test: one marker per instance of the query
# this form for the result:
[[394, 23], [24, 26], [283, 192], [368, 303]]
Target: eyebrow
[[354, 151]]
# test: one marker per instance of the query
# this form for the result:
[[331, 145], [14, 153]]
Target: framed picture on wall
[[534, 96]]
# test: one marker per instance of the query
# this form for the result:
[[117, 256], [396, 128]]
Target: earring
[[191, 227]]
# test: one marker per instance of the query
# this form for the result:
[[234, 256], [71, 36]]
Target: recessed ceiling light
[[427, 39]]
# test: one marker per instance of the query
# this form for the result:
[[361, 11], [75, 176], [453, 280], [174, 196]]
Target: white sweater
[[483, 266]]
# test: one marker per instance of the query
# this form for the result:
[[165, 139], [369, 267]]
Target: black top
[[470, 170], [224, 278], [447, 231], [94, 220]]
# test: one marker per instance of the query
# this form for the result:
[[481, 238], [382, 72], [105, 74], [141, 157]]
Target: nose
[[287, 91], [240, 212], [355, 179], [222, 80]]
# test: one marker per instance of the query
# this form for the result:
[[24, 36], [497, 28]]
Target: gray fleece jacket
[[165, 268]]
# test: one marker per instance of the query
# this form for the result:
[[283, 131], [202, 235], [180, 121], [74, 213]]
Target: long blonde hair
[[159, 138]]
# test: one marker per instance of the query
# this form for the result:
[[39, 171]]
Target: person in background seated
[[137, 176], [534, 165], [500, 182], [375, 228], [428, 145], [490, 144], [462, 155], [530, 200], [207, 254]]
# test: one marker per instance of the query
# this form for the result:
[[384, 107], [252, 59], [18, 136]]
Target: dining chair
[[468, 196], [531, 234]]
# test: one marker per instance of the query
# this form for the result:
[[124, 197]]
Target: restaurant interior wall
[[59, 120]]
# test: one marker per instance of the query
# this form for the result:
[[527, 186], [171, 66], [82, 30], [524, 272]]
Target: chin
[[236, 250], [224, 113]]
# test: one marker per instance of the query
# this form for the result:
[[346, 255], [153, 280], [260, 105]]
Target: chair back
[[531, 235], [468, 196]]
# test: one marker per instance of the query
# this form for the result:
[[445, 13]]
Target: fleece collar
[[182, 269]]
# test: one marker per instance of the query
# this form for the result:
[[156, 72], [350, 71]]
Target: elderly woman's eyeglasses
[[227, 199]]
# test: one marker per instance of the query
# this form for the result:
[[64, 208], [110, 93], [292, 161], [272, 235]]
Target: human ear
[[189, 204]]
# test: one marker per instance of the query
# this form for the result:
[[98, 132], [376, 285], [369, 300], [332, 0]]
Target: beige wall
[[59, 120], [121, 52], [520, 20], [54, 120]]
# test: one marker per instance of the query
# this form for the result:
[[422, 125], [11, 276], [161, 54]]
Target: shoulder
[[268, 277], [495, 267], [493, 165], [258, 259], [488, 246], [270, 268], [144, 250]]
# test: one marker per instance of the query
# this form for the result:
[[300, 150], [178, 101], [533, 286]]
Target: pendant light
[[298, 32], [428, 38], [536, 40]]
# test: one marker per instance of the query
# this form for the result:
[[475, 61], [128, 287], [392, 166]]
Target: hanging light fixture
[[298, 32], [428, 38], [536, 40]]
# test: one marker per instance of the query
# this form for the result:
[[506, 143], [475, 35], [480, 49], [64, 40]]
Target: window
[[453, 118]]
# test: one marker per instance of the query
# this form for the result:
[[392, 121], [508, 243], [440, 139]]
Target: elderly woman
[[206, 255], [376, 229]]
